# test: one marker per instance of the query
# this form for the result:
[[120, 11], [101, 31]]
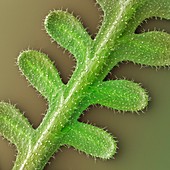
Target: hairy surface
[[114, 43]]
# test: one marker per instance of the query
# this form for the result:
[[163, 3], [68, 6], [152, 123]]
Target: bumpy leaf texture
[[115, 41]]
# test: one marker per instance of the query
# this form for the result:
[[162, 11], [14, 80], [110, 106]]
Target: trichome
[[115, 42]]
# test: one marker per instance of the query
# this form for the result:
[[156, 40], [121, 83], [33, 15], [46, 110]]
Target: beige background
[[143, 140]]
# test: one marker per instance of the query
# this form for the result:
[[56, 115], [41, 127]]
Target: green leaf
[[40, 72], [119, 94], [69, 33], [151, 48], [91, 140], [14, 126], [115, 19], [151, 8]]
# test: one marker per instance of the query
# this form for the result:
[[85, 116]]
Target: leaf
[[91, 140], [40, 72], [14, 126], [119, 94], [151, 8], [151, 48], [68, 32], [115, 19]]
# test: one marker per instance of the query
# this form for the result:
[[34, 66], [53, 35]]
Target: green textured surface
[[141, 137]]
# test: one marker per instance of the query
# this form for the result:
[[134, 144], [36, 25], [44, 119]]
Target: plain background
[[144, 140]]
